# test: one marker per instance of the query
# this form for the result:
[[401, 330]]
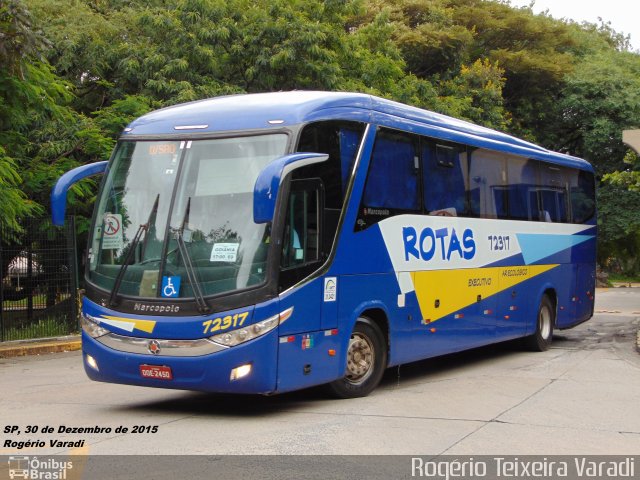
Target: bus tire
[[541, 338], [366, 361]]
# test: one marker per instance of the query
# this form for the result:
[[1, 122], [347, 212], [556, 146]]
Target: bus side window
[[522, 177], [445, 179], [392, 181], [582, 188], [488, 184], [554, 195]]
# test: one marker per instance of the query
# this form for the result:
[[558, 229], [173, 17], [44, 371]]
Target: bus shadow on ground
[[232, 405], [236, 405], [424, 370]]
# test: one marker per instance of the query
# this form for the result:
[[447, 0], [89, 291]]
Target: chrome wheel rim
[[360, 358], [544, 322]]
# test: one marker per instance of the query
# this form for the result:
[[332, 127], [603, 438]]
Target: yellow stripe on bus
[[453, 290]]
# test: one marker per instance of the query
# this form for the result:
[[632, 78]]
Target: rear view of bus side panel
[[585, 286]]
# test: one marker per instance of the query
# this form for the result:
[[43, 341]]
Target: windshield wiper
[[144, 227], [203, 307]]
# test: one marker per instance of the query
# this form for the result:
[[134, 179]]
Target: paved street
[[580, 397]]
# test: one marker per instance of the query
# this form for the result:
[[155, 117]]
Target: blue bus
[[270, 242]]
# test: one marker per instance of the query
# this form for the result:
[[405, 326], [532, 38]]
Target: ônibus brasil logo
[[33, 468]]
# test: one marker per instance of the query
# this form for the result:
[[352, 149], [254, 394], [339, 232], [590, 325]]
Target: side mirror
[[59, 192], [265, 191]]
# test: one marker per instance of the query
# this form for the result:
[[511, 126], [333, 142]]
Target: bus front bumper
[[247, 368]]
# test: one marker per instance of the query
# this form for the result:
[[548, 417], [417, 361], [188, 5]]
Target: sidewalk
[[21, 348]]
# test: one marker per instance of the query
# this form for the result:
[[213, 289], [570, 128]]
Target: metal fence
[[39, 294]]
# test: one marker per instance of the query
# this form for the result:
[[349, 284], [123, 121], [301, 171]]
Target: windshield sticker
[[112, 225], [170, 286], [224, 252]]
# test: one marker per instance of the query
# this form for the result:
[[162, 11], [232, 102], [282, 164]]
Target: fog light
[[92, 363], [239, 372]]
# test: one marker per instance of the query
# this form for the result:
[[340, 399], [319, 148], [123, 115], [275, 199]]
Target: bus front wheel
[[541, 338], [366, 361]]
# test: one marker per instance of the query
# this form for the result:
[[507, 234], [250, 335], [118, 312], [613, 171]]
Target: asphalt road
[[580, 397]]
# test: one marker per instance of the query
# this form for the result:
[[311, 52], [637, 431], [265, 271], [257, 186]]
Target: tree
[[476, 94], [619, 229], [24, 82], [600, 99], [630, 176]]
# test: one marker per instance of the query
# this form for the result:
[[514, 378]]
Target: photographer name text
[[35, 435], [514, 467]]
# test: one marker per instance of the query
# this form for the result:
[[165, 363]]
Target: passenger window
[[392, 182], [553, 206], [445, 179], [488, 184], [552, 196], [522, 178], [582, 188]]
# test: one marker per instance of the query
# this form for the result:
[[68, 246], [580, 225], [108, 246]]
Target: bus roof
[[281, 109]]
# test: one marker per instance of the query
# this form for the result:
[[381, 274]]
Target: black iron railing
[[39, 281]]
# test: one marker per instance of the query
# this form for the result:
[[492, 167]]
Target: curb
[[21, 348]]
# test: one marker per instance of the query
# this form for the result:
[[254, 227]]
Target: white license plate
[[158, 372]]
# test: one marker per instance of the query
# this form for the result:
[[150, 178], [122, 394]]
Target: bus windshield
[[175, 218]]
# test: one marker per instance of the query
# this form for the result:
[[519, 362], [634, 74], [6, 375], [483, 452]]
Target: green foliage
[[430, 40], [18, 40], [599, 100], [373, 60], [15, 204], [628, 178], [480, 86], [619, 229], [41, 136], [111, 120], [24, 83], [51, 326]]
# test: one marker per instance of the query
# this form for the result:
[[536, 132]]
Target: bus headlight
[[92, 327], [242, 335]]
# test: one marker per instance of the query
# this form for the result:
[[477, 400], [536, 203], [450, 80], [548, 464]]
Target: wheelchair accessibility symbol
[[170, 286]]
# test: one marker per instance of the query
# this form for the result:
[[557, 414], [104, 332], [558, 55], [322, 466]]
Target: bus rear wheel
[[541, 338], [366, 361]]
